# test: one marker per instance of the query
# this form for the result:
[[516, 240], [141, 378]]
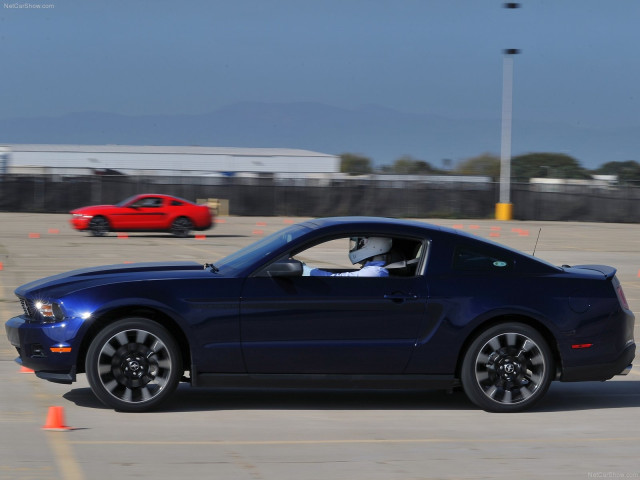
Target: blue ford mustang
[[452, 310]]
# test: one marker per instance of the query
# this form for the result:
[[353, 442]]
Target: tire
[[98, 226], [507, 368], [181, 227], [133, 365]]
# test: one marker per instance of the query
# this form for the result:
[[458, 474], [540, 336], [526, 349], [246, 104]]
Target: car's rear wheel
[[507, 368], [133, 365], [181, 227], [98, 226]]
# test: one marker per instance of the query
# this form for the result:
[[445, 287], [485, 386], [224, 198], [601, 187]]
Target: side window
[[403, 258], [329, 255], [475, 260], [176, 203], [149, 202]]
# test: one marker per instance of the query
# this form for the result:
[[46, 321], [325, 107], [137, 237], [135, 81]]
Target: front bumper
[[80, 222], [44, 347]]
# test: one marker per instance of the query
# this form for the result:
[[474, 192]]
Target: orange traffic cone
[[55, 420]]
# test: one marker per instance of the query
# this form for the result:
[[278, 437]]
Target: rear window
[[475, 260]]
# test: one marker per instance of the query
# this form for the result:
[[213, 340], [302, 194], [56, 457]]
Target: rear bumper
[[603, 371], [204, 224]]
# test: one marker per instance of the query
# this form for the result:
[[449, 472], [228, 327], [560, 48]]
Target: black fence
[[324, 197]]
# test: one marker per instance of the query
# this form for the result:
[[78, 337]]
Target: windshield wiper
[[213, 268]]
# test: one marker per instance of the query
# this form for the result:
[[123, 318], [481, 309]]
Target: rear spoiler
[[605, 270]]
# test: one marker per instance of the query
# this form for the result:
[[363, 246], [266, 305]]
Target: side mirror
[[282, 268]]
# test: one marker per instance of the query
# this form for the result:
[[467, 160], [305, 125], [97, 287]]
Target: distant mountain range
[[379, 133]]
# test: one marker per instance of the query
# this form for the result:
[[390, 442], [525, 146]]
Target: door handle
[[399, 297]]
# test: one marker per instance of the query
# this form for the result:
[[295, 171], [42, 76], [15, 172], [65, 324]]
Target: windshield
[[253, 253], [125, 201]]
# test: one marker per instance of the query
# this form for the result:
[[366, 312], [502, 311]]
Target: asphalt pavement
[[581, 430]]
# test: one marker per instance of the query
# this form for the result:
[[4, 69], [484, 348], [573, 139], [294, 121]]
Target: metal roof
[[157, 149]]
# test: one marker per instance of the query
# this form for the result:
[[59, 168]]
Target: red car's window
[[149, 202]]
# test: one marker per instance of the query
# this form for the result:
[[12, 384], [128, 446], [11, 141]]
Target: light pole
[[504, 208]]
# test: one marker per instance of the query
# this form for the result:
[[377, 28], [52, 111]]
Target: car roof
[[158, 195], [368, 222], [363, 221]]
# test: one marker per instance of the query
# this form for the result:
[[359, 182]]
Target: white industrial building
[[161, 160]]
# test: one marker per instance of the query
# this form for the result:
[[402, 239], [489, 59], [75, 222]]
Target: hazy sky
[[579, 63]]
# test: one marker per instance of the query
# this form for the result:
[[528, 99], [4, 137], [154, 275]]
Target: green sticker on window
[[499, 263]]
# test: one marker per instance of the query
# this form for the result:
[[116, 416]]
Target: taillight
[[621, 297]]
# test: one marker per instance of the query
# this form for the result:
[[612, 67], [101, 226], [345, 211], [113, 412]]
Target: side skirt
[[319, 381]]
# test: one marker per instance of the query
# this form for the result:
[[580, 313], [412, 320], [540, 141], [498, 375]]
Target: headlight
[[51, 312]]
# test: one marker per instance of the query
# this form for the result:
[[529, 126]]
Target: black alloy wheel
[[507, 368], [133, 365], [181, 227], [98, 226]]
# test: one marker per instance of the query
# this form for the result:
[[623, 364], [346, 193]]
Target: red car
[[148, 212]]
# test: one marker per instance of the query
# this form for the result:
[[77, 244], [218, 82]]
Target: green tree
[[407, 165], [486, 165], [627, 172], [546, 165], [355, 164]]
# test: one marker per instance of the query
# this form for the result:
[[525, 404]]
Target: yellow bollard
[[504, 211]]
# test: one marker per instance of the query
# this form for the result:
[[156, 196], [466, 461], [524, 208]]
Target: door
[[330, 325], [145, 214]]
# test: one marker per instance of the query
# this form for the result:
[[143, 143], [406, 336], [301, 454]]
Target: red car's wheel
[[98, 226], [181, 227]]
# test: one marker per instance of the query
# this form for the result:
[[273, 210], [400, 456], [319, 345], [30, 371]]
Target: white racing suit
[[369, 269]]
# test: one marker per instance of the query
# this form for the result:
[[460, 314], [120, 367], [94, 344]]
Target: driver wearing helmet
[[371, 252]]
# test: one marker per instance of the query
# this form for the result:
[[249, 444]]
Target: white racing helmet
[[361, 248]]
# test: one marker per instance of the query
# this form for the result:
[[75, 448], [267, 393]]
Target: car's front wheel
[[133, 365], [98, 226], [181, 227], [507, 368]]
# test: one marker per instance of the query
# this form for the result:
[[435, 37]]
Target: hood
[[92, 209], [65, 283]]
